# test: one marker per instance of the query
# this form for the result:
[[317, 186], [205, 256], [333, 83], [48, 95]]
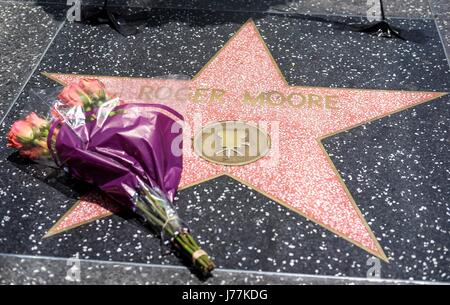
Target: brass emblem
[[231, 143]]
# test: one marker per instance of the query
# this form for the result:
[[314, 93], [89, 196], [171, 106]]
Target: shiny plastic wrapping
[[121, 148]]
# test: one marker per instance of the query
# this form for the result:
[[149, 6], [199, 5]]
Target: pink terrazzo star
[[297, 172]]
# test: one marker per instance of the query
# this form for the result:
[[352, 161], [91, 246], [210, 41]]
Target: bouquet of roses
[[130, 151]]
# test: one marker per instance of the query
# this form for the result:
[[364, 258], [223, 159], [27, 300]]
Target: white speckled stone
[[25, 32]]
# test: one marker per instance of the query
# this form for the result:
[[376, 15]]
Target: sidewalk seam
[[37, 64]]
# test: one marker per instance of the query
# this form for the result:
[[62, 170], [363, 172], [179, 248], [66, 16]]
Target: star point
[[297, 173]]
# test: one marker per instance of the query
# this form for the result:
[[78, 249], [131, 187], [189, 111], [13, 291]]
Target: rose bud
[[20, 133], [34, 152], [92, 87], [73, 95], [36, 121]]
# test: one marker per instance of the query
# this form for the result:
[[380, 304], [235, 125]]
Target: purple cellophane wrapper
[[134, 144]]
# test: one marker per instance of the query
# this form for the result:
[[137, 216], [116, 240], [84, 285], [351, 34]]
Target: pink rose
[[33, 152], [92, 86], [73, 95], [36, 121], [20, 133]]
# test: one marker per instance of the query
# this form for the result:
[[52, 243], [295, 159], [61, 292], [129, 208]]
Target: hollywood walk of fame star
[[252, 88]]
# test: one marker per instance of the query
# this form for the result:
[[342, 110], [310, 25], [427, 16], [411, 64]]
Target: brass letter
[[300, 103], [217, 95], [330, 102], [314, 99], [163, 93], [279, 101], [182, 94], [251, 100], [199, 93], [145, 92]]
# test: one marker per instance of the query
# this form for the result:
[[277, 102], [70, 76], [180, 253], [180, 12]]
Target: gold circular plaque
[[231, 143]]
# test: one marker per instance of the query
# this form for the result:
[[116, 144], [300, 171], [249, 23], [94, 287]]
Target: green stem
[[155, 211]]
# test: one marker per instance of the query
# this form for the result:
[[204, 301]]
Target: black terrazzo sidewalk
[[397, 168]]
